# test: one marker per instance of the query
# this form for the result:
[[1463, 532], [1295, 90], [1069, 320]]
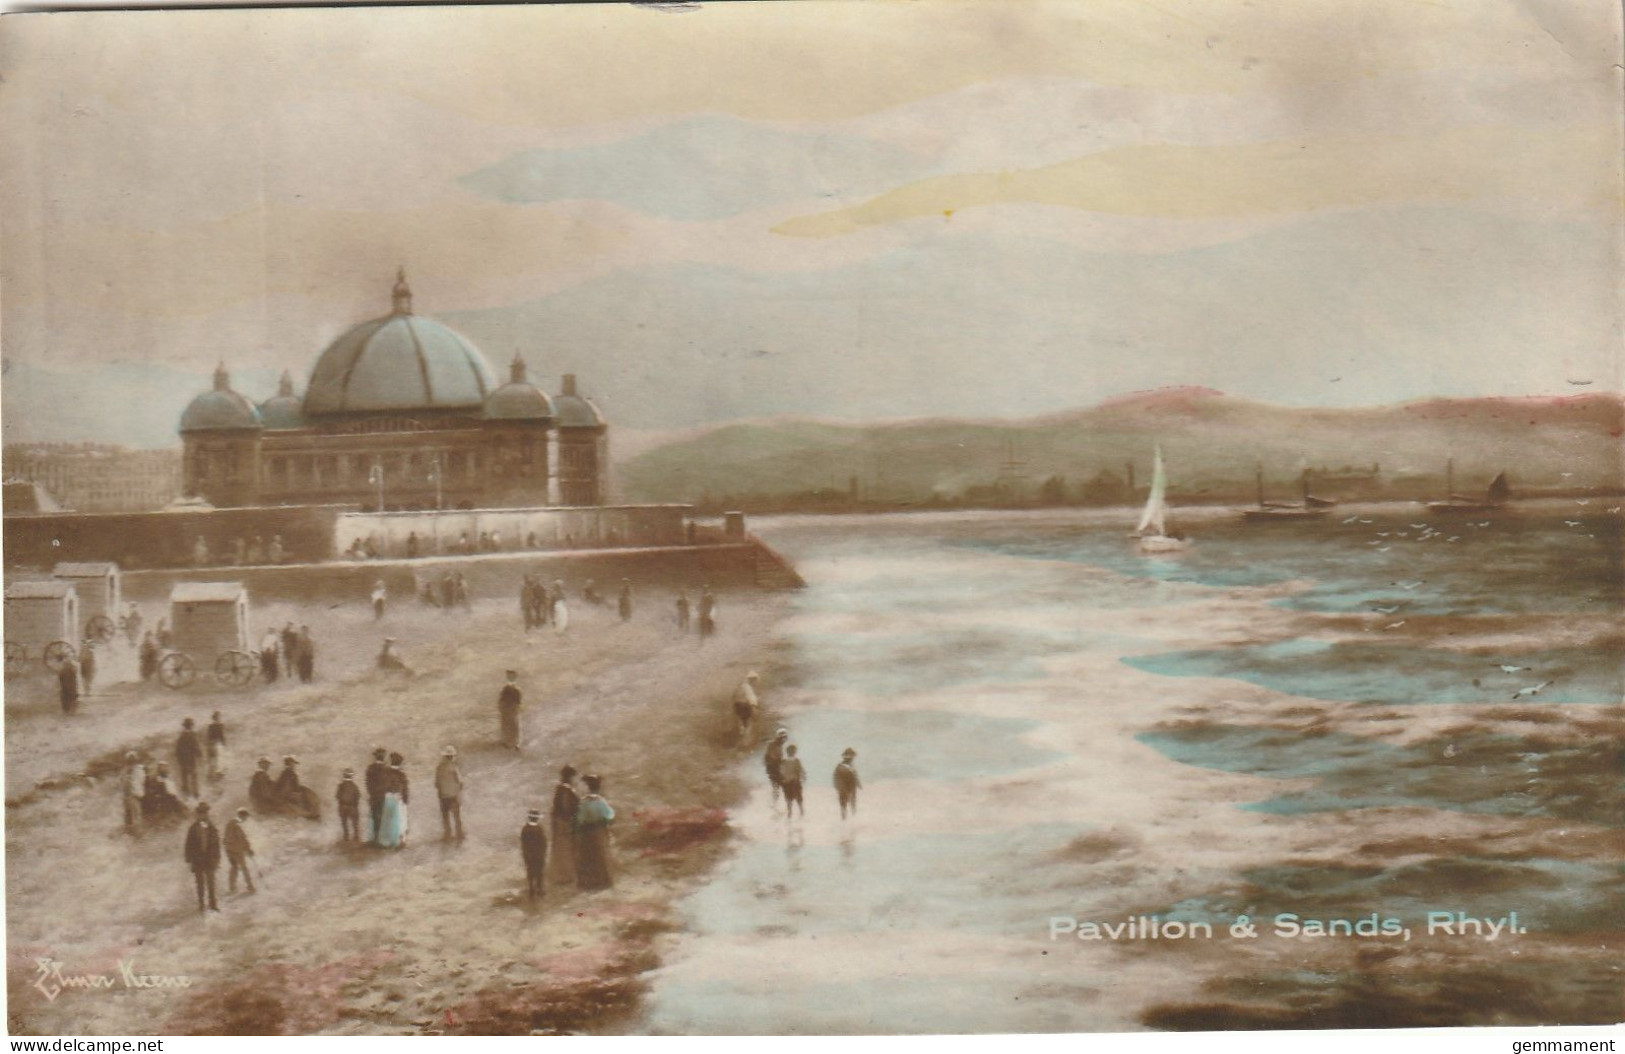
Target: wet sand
[[435, 937]]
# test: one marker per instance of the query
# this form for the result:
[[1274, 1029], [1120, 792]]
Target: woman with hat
[[561, 866], [847, 782], [593, 817], [393, 825]]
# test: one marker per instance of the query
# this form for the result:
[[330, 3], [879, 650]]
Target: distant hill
[[1210, 441]]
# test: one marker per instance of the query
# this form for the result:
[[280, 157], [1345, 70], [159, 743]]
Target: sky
[[850, 209]]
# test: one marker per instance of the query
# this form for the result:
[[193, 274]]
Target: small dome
[[220, 409], [399, 362], [518, 400], [283, 410], [576, 411]]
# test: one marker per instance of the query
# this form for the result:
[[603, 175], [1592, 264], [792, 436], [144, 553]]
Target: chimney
[[569, 384]]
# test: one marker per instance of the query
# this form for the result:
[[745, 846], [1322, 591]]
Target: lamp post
[[377, 476]]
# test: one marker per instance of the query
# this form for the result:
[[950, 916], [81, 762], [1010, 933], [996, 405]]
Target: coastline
[[436, 938]]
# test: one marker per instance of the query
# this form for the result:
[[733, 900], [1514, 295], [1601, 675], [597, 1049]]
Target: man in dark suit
[[67, 679], [187, 752], [533, 847], [377, 779], [203, 855], [508, 702]]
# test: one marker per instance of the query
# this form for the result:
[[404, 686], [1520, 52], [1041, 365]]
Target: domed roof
[[398, 362], [283, 410], [576, 411], [220, 409], [518, 399]]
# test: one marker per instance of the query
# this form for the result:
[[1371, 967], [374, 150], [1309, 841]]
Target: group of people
[[284, 795], [542, 605], [243, 552], [706, 611], [580, 841], [449, 591], [151, 796], [287, 653], [787, 776], [388, 793], [203, 850]]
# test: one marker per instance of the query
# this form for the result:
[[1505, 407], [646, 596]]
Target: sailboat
[[1313, 508], [1152, 530], [1495, 496]]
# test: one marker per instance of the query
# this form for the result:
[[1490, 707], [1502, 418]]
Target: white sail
[[1155, 505]]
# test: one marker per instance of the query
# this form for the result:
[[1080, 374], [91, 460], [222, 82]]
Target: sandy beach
[[435, 937]]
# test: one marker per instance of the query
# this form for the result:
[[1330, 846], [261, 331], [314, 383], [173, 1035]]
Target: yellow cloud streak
[[1547, 169]]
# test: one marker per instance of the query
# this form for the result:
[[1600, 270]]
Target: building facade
[[97, 477], [400, 413]]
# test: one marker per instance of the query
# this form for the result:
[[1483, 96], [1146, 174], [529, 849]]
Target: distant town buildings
[[95, 477], [399, 411]]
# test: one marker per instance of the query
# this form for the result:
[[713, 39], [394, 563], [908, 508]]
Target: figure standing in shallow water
[[847, 783], [792, 774]]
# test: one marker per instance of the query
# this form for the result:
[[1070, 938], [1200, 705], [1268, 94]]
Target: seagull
[[1365, 521], [1515, 669], [1351, 519], [1582, 501], [1383, 548], [1418, 526], [1407, 585], [1573, 523], [1382, 534], [1565, 475], [1385, 611], [1395, 625], [1521, 692], [1454, 538]]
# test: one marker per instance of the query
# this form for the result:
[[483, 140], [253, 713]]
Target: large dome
[[399, 362]]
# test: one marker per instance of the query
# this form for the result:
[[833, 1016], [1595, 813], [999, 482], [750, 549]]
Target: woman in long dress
[[393, 821], [593, 817], [561, 865]]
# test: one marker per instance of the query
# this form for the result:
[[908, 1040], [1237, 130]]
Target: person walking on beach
[[593, 818], [682, 611], [623, 603], [746, 704], [561, 866], [134, 787], [187, 752], [202, 855], [509, 700], [773, 760], [707, 612], [792, 774], [847, 783], [268, 657], [238, 850], [348, 797], [377, 779], [148, 657], [448, 783], [533, 848], [87, 667], [379, 595], [67, 680], [306, 650], [214, 746]]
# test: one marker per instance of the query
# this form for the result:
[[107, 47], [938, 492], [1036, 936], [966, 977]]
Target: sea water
[[1048, 722]]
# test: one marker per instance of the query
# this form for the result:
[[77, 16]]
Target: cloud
[[1545, 170], [701, 168]]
